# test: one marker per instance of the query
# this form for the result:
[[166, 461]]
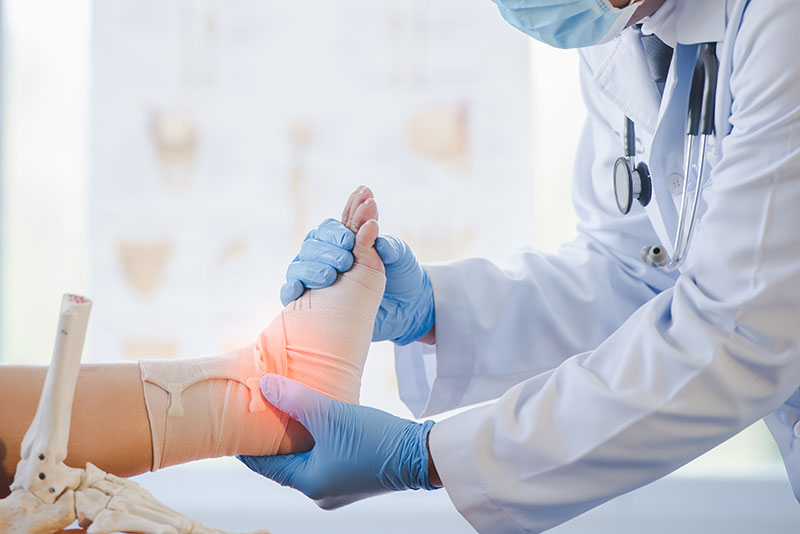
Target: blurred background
[[166, 158]]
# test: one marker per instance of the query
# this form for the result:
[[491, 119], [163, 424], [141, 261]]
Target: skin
[[109, 426], [647, 8], [99, 387]]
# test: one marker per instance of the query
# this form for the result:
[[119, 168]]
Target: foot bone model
[[46, 495]]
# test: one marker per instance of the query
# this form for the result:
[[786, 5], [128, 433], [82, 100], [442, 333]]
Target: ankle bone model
[[48, 496]]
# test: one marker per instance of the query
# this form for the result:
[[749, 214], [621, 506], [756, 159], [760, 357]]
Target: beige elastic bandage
[[210, 407]]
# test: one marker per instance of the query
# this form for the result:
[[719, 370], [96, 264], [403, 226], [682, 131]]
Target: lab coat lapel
[[622, 75], [667, 153]]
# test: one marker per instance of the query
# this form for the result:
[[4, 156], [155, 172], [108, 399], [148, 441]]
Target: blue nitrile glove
[[406, 312], [325, 252], [359, 452]]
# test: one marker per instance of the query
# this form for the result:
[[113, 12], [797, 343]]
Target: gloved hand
[[359, 452], [325, 252], [406, 312]]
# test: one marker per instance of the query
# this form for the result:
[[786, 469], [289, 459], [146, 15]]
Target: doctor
[[609, 372]]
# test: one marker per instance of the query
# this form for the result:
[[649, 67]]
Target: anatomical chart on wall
[[223, 131]]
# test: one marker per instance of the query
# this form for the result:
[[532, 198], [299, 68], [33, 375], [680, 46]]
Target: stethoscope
[[633, 182]]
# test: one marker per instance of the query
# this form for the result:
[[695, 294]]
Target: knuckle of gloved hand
[[334, 232], [313, 249], [322, 252], [342, 236], [296, 271], [319, 230], [344, 260], [324, 276], [348, 239], [315, 232]]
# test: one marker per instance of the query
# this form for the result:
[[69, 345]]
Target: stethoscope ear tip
[[655, 256]]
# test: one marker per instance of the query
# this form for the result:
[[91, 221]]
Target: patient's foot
[[327, 332], [208, 407]]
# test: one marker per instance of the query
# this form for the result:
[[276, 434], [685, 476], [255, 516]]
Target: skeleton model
[[48, 496]]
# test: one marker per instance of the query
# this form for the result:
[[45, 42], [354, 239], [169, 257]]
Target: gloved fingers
[[313, 275], [314, 250], [297, 401], [286, 470], [291, 290], [333, 503], [333, 232], [361, 194]]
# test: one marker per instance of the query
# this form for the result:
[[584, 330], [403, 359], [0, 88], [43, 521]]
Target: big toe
[[364, 252]]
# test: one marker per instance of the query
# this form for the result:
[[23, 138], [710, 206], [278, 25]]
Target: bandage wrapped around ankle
[[212, 406]]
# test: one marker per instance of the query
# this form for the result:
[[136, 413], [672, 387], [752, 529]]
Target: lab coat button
[[797, 430], [675, 183]]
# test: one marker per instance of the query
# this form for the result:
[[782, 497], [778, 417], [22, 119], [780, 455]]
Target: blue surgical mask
[[567, 23]]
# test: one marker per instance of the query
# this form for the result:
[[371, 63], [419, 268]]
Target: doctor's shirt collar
[[688, 21]]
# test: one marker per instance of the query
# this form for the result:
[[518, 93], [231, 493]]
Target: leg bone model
[[48, 496]]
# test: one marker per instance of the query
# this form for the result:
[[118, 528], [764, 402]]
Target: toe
[[366, 211], [364, 252]]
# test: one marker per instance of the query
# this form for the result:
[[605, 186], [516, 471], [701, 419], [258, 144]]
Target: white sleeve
[[498, 326], [690, 368]]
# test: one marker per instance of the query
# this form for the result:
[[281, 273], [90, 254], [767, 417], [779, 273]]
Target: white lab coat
[[611, 374]]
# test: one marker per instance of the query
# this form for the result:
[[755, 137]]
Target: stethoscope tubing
[[684, 239], [700, 126]]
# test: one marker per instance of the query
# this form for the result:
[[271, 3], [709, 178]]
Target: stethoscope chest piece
[[631, 184]]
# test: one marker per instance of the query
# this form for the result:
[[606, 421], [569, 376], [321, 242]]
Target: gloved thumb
[[389, 248], [294, 399]]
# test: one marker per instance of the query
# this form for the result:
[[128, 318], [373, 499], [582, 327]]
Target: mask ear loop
[[623, 21]]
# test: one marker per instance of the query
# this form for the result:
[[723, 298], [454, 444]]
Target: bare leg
[[109, 421], [109, 424], [46, 494]]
